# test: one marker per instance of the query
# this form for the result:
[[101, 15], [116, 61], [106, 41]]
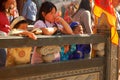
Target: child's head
[[19, 23], [76, 27], [47, 11], [11, 9]]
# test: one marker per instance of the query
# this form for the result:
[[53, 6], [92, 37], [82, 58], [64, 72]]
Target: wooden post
[[111, 61], [111, 54]]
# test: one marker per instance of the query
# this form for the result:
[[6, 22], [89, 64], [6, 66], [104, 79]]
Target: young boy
[[17, 56], [82, 50]]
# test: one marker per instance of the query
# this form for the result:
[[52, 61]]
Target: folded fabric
[[51, 57], [44, 50]]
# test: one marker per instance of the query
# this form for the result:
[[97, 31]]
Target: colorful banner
[[105, 6]]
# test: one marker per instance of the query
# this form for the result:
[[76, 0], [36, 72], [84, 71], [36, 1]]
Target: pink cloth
[[57, 56], [36, 57]]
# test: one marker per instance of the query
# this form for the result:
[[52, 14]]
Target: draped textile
[[105, 6]]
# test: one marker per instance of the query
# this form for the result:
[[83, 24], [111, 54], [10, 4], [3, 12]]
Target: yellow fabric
[[112, 21], [17, 56]]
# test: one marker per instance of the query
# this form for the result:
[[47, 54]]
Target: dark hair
[[2, 5], [46, 7], [19, 23], [84, 4]]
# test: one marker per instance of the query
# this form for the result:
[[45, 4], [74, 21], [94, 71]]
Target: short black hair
[[46, 7], [19, 23]]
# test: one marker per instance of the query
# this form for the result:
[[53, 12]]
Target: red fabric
[[4, 23], [105, 5]]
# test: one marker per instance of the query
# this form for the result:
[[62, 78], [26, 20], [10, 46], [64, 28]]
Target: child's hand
[[58, 19], [30, 35]]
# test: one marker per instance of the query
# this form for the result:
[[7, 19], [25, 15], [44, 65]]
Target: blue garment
[[2, 57], [85, 49], [29, 10], [79, 51], [65, 56], [82, 51]]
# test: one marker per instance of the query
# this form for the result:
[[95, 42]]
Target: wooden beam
[[15, 41], [49, 68]]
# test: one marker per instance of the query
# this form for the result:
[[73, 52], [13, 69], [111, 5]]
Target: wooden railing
[[100, 68]]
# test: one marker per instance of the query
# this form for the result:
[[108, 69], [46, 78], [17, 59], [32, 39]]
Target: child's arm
[[45, 30], [29, 34], [66, 28], [22, 32]]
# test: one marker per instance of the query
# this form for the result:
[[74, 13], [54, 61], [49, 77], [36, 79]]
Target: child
[[82, 50], [4, 27], [49, 23], [12, 11], [21, 55]]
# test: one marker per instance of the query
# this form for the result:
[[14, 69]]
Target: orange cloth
[[105, 6]]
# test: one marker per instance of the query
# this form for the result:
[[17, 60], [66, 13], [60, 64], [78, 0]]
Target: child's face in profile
[[23, 26], [51, 15], [78, 30]]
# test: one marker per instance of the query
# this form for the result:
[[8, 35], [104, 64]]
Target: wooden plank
[[15, 41], [48, 68]]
